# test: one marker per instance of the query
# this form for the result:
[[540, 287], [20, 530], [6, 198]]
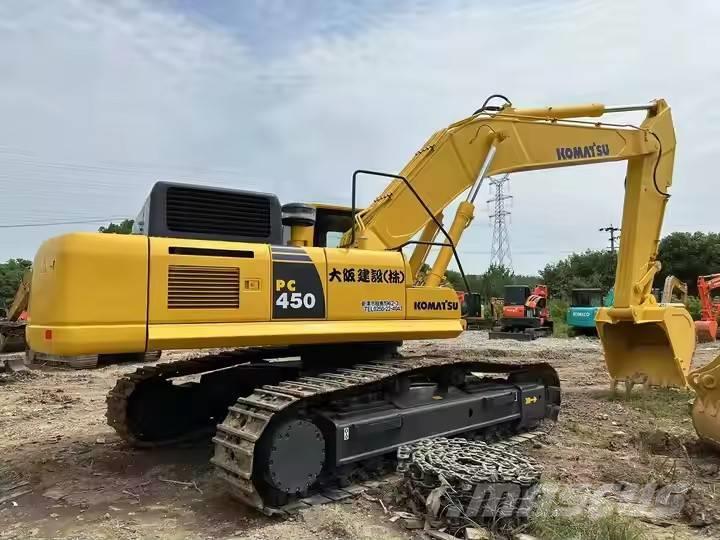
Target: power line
[[500, 250], [613, 237], [531, 252], [51, 223]]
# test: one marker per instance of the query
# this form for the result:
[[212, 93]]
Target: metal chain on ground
[[464, 482]]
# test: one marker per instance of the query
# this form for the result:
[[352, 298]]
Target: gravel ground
[[83, 482]]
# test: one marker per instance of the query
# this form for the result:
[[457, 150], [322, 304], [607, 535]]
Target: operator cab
[[313, 224], [587, 297], [516, 295]]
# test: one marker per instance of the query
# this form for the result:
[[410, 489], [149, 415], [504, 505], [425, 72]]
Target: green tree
[[492, 281], [588, 269], [687, 256], [694, 307], [125, 227], [11, 273]]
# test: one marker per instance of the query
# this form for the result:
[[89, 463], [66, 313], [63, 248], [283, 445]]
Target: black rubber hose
[[485, 107]]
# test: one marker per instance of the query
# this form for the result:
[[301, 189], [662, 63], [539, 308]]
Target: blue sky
[[101, 99]]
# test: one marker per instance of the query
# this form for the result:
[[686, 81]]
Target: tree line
[[684, 255]]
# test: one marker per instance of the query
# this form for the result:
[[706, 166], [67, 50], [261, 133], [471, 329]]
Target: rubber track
[[237, 436]]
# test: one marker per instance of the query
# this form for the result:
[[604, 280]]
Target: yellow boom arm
[[22, 295], [643, 342]]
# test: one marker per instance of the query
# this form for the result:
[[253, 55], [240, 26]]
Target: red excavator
[[707, 327], [525, 314]]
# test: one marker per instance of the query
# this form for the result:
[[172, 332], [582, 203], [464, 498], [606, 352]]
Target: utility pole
[[614, 238], [500, 250]]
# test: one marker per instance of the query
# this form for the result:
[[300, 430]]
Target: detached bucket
[[706, 408], [706, 330], [651, 345]]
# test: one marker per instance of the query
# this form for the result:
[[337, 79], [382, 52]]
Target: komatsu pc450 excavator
[[316, 393]]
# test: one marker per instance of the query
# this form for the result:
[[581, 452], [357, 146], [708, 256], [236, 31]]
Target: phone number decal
[[374, 306]]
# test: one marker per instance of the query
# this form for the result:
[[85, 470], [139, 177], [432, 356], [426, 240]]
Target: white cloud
[[146, 92]]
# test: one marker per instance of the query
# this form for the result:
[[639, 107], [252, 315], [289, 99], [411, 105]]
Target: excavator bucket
[[651, 345], [706, 331], [706, 408]]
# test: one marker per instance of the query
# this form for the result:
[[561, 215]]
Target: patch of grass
[[666, 403], [342, 522], [558, 311], [560, 329], [549, 522]]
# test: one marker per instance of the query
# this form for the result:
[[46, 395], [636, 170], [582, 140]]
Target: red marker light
[[48, 334]]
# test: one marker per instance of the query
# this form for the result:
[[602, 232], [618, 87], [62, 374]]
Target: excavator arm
[[673, 284], [707, 326], [707, 284], [22, 295], [643, 342]]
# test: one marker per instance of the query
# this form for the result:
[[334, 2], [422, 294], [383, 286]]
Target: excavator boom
[[643, 341], [12, 328], [22, 296]]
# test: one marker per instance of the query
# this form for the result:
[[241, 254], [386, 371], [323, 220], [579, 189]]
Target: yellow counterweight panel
[[365, 284], [647, 344], [89, 294], [208, 281], [706, 408]]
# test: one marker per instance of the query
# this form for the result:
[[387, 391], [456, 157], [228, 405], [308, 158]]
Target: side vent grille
[[203, 287], [193, 210]]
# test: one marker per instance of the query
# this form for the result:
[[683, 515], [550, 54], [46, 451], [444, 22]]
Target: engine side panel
[[89, 295]]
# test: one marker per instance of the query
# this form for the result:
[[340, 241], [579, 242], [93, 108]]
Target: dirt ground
[[81, 481]]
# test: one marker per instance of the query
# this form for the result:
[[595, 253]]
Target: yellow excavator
[[317, 298], [12, 326]]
